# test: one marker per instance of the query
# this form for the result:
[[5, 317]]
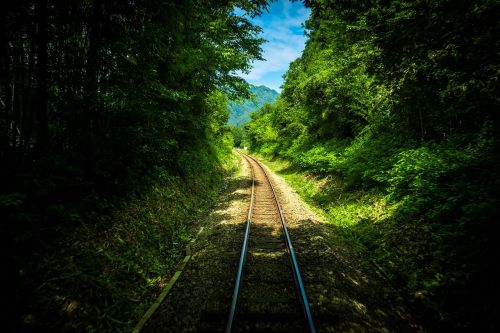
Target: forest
[[112, 135], [114, 139], [393, 107]]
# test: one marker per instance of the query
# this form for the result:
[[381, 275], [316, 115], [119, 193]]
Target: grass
[[440, 264], [104, 275], [327, 198]]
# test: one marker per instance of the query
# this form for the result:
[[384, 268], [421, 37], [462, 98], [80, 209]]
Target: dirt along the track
[[345, 292]]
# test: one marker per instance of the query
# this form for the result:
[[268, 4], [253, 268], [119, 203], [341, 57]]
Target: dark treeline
[[99, 101], [397, 104], [102, 84]]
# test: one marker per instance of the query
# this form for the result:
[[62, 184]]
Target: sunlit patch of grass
[[361, 217], [71, 306], [352, 210], [327, 198], [153, 281]]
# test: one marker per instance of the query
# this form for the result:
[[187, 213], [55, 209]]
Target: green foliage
[[239, 136], [107, 273], [391, 108], [416, 170], [11, 200], [110, 108], [261, 132]]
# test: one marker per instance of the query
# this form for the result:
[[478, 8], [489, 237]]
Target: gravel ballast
[[345, 292]]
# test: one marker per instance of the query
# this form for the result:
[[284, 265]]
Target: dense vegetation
[[394, 105], [240, 110], [113, 138]]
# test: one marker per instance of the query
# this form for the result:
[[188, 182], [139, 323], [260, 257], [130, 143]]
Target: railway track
[[269, 295]]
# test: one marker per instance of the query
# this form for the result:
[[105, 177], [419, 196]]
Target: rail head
[[241, 264]]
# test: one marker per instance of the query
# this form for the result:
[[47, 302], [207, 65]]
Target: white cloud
[[278, 56], [283, 44]]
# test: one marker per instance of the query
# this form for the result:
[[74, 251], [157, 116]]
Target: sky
[[285, 41]]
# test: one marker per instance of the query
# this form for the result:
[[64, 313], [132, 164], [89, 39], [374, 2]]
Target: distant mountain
[[239, 112]]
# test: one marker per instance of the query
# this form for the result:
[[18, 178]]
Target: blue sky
[[285, 41]]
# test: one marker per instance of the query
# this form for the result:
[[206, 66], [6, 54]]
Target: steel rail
[[293, 260], [237, 286]]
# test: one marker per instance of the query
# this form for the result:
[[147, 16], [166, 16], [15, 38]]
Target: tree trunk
[[91, 79], [42, 98], [5, 89]]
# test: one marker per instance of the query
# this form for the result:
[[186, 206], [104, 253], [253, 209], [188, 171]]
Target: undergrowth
[[103, 273], [422, 213]]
